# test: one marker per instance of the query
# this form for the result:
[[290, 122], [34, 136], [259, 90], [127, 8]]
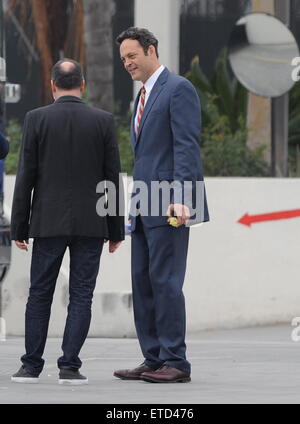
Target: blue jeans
[[47, 257]]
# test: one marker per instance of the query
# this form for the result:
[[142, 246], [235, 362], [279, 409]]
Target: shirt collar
[[68, 98], [152, 80]]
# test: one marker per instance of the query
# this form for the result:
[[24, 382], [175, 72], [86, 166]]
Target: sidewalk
[[253, 365]]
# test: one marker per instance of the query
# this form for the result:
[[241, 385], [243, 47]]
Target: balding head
[[67, 66], [67, 74]]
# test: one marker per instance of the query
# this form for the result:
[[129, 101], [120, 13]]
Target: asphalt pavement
[[248, 366]]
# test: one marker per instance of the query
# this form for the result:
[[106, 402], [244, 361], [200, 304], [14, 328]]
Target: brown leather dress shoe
[[166, 374], [134, 374]]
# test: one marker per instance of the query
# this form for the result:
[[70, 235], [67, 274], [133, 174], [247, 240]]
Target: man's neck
[[74, 93], [153, 71]]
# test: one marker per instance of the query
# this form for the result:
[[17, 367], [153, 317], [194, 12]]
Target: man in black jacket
[[68, 148], [4, 146]]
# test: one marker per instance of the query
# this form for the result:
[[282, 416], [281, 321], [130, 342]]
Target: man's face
[[135, 61]]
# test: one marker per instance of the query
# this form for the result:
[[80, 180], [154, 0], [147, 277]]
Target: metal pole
[[280, 110]]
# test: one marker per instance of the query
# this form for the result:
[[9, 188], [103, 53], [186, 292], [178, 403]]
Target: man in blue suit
[[165, 133]]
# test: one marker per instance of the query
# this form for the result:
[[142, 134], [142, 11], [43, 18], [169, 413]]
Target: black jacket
[[68, 148], [4, 146]]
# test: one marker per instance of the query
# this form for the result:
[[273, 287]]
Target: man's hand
[[113, 245], [23, 245], [181, 212]]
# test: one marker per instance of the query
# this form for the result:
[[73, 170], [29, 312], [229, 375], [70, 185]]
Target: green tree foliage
[[224, 128], [225, 152], [123, 137], [14, 135]]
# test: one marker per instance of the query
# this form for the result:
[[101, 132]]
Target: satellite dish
[[261, 51]]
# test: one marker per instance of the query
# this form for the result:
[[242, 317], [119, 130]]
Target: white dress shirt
[[149, 84]]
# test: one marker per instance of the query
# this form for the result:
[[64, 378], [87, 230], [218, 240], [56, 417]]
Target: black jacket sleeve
[[4, 146], [112, 168], [25, 181]]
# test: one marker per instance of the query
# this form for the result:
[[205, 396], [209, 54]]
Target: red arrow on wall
[[248, 220]]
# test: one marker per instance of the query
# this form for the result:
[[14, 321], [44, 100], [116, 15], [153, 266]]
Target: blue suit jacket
[[167, 145]]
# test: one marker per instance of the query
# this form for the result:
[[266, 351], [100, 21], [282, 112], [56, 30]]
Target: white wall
[[237, 276], [162, 18]]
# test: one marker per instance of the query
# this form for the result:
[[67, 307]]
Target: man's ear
[[151, 51], [53, 87], [82, 87]]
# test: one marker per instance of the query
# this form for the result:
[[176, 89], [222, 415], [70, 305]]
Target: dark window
[[295, 19], [123, 87], [205, 28]]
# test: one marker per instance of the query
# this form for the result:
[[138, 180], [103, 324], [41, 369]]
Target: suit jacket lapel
[[132, 126], [155, 92]]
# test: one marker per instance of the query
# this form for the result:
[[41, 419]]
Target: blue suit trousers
[[158, 269]]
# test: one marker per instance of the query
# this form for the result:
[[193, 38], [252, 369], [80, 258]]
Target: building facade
[[185, 28]]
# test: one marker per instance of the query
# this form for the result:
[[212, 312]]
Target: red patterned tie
[[141, 109]]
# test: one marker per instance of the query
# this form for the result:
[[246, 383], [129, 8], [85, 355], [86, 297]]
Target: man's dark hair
[[142, 35], [70, 79]]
